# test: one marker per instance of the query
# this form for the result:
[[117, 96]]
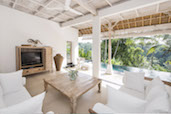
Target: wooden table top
[[73, 89]]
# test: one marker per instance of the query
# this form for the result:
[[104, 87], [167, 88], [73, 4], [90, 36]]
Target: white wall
[[16, 27]]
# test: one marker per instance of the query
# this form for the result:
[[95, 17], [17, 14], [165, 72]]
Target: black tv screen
[[31, 58]]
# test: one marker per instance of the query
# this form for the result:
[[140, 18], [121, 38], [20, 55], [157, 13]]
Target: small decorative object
[[73, 74], [58, 61], [26, 45], [34, 42]]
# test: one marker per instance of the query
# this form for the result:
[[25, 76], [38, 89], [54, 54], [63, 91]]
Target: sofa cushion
[[156, 92], [132, 92], [16, 97], [155, 82], [2, 104], [30, 106], [122, 102], [168, 88], [101, 108], [158, 100], [11, 82], [134, 80]]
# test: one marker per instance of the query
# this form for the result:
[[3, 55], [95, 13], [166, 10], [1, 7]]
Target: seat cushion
[[122, 102], [16, 97], [2, 104], [158, 100], [132, 92], [30, 106], [101, 108]]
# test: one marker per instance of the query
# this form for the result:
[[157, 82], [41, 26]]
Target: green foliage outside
[[152, 52]]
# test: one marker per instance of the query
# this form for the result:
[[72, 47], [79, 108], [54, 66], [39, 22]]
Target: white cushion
[[2, 104], [155, 82], [156, 92], [168, 88], [158, 100], [16, 97], [134, 80], [102, 109], [11, 82], [30, 106], [50, 112], [132, 92], [122, 102]]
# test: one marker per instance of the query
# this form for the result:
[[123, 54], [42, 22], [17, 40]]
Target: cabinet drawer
[[33, 70], [37, 69]]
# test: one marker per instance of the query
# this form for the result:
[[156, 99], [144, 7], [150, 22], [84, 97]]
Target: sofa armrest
[[24, 80], [91, 111], [50, 112], [101, 108]]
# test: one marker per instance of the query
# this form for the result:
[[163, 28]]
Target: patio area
[[117, 75]]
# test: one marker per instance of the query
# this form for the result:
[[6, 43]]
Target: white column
[[96, 57]]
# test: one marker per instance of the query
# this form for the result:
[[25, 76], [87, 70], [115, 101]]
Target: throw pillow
[[134, 80], [158, 100], [11, 82], [30, 106], [122, 102], [155, 82]]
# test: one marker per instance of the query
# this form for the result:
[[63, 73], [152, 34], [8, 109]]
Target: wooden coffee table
[[73, 89]]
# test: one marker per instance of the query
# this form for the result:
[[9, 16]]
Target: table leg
[[73, 105], [45, 86], [99, 87]]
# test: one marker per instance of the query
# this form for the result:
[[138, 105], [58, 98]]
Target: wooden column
[[109, 65]]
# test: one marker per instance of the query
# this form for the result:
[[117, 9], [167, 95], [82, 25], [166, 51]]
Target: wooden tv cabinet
[[46, 65]]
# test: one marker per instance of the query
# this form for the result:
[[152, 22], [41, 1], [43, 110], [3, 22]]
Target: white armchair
[[14, 97]]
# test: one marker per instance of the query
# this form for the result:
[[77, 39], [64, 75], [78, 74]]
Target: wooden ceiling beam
[[137, 13], [60, 13], [14, 3], [28, 8], [135, 22], [160, 18], [87, 6], [123, 25], [122, 18], [41, 7], [110, 4], [157, 8], [150, 20], [128, 24], [142, 21]]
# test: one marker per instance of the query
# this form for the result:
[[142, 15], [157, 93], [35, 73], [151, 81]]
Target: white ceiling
[[42, 9], [32, 6]]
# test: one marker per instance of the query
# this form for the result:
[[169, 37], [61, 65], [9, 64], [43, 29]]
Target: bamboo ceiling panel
[[156, 19]]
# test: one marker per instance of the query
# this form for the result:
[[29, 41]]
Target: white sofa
[[126, 100], [16, 97], [10, 99]]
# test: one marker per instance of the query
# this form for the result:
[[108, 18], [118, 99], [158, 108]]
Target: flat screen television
[[31, 58]]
